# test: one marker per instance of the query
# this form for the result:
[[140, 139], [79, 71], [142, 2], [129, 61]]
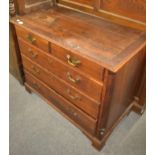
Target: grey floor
[[37, 129]]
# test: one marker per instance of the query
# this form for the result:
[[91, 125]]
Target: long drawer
[[84, 83], [62, 104], [77, 98], [33, 39]]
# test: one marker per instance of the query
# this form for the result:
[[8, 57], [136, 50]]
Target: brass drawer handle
[[31, 39], [72, 61], [35, 70], [32, 54], [35, 85], [75, 114], [70, 78], [73, 97]]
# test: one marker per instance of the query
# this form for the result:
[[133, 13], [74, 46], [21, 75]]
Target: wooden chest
[[85, 67]]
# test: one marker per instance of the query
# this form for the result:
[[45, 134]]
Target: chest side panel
[[120, 92]]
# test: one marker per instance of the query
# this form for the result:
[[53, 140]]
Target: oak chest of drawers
[[85, 67]]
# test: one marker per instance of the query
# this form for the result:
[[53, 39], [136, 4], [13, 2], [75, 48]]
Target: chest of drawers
[[86, 68]]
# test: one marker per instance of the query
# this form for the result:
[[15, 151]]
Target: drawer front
[[72, 77], [62, 104], [77, 62], [33, 39], [80, 100]]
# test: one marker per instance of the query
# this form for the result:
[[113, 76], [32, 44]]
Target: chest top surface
[[106, 43]]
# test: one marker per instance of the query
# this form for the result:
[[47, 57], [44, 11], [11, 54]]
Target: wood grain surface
[[105, 43]]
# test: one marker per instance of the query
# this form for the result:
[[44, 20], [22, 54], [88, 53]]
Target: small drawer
[[74, 78], [33, 39], [77, 98], [78, 62], [62, 104]]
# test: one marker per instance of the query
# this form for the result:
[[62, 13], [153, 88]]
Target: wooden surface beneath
[[106, 43]]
